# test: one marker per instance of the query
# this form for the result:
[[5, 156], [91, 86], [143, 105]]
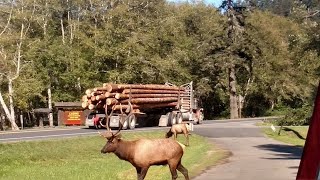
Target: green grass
[[289, 134], [80, 158]]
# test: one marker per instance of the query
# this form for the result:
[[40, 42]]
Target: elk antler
[[121, 123], [108, 120], [121, 120], [105, 135]]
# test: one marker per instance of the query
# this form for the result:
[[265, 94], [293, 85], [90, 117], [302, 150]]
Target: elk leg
[[187, 138], [142, 172], [175, 136], [173, 170], [183, 170]]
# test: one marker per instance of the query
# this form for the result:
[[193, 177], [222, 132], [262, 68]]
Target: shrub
[[296, 116]]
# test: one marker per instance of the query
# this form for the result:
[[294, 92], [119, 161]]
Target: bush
[[296, 116]]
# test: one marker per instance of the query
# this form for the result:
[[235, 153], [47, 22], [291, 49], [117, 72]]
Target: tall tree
[[13, 38], [235, 30]]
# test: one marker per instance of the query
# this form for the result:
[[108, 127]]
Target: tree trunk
[[1, 123], [7, 112], [241, 102], [41, 122], [272, 104], [50, 107], [62, 31], [21, 121], [233, 93], [12, 114]]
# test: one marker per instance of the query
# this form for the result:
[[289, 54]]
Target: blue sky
[[216, 3]]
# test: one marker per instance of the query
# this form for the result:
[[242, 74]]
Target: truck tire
[[98, 126], [179, 118], [201, 117], [172, 118], [132, 120], [125, 125]]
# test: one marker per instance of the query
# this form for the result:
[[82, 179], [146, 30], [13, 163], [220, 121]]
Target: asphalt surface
[[58, 132], [253, 155]]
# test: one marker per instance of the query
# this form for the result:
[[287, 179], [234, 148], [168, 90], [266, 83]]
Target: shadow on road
[[282, 151]]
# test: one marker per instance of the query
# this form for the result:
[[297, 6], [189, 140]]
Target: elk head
[[113, 138], [112, 141]]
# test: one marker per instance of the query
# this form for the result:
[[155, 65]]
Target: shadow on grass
[[295, 132], [282, 151]]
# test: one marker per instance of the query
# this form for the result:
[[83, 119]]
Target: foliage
[[296, 117], [75, 45]]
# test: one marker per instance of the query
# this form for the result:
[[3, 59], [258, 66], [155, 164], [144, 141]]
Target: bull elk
[[176, 129], [143, 153]]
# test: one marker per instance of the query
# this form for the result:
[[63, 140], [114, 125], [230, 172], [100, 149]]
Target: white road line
[[38, 130], [64, 135], [56, 135]]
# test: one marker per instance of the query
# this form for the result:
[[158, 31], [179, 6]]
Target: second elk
[[176, 129]]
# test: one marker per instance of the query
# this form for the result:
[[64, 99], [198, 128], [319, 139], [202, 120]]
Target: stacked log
[[141, 96]]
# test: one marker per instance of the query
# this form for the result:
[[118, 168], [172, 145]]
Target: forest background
[[247, 58]]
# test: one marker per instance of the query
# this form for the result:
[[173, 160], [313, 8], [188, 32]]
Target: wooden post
[[50, 107], [2, 122], [21, 120], [41, 121]]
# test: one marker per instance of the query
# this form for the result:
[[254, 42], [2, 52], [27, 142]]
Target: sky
[[216, 3]]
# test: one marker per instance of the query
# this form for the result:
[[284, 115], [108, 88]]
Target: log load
[[141, 96], [127, 96], [143, 106], [149, 91], [116, 87], [149, 100]]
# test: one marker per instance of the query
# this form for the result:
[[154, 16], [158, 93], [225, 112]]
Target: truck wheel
[[132, 121], [98, 126], [179, 118], [125, 123], [172, 119], [201, 116]]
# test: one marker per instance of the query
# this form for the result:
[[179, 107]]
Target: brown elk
[[144, 153], [176, 129]]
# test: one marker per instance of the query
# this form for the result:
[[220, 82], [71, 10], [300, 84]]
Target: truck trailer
[[149, 104]]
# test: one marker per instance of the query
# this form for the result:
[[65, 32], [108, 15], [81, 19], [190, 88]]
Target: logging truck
[[151, 104]]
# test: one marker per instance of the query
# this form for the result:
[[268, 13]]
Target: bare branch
[[312, 14], [9, 19], [33, 10]]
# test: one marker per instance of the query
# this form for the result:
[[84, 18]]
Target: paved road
[[254, 156], [49, 133]]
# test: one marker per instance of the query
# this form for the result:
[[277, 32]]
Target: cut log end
[[91, 106], [88, 92], [84, 105]]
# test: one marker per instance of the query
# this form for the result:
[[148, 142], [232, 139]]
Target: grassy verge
[[80, 158], [289, 134]]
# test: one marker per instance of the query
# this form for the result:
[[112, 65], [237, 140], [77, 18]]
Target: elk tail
[[182, 145]]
